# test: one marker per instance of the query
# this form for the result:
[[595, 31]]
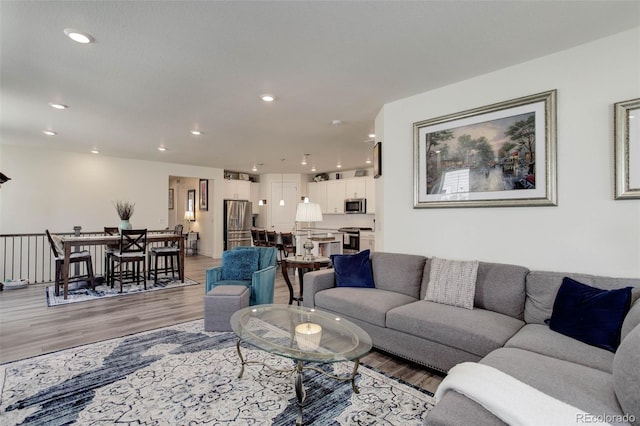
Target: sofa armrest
[[314, 282], [263, 285], [631, 321], [213, 275]]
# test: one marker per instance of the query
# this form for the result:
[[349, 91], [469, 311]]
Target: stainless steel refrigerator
[[237, 223]]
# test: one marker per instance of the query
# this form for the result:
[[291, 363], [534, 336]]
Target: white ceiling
[[159, 69]]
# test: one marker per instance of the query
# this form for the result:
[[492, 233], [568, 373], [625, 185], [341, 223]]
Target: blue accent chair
[[262, 281]]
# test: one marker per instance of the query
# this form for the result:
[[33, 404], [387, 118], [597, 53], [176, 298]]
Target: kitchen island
[[325, 242]]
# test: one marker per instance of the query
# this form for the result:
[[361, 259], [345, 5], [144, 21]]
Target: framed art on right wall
[[499, 155], [627, 149]]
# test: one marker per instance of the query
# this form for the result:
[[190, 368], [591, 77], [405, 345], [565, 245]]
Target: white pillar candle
[[308, 336]]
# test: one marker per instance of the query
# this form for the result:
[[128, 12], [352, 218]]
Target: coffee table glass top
[[300, 333]]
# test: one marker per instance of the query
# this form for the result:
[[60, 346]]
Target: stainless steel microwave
[[355, 205]]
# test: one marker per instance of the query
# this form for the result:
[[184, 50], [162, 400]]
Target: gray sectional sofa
[[506, 329]]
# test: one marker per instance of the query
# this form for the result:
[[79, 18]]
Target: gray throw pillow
[[452, 282]]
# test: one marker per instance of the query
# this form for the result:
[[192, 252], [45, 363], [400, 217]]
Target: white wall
[[57, 190], [204, 223], [588, 231]]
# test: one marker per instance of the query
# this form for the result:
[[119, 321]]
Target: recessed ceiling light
[[78, 36], [162, 148], [368, 161], [58, 106], [267, 97], [313, 168], [336, 122], [372, 135], [339, 165], [49, 132], [95, 151], [254, 168], [196, 132]]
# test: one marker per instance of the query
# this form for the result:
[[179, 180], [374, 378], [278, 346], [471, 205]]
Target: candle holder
[[308, 336]]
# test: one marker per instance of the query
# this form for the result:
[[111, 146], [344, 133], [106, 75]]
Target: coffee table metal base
[[298, 369]]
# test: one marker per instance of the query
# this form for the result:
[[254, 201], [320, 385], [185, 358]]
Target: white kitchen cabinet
[[317, 192], [254, 190], [367, 241], [371, 194], [355, 188], [236, 189], [336, 194]]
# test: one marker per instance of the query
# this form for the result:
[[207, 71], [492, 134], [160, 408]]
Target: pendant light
[[282, 183]]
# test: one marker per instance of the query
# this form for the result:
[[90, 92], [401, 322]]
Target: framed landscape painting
[[498, 155], [627, 149]]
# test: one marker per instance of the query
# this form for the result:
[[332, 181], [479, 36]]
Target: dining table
[[93, 240]]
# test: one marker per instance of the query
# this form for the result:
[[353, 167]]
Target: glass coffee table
[[304, 335]]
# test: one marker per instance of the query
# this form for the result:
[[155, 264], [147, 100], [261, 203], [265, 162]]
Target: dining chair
[[288, 244], [76, 257], [272, 238], [262, 238], [109, 250], [168, 253], [132, 249], [254, 237]]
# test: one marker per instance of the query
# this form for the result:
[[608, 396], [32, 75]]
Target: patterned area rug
[[184, 375], [82, 292]]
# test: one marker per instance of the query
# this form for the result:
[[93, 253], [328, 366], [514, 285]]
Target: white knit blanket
[[509, 399]]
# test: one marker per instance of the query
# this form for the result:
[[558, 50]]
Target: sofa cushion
[[499, 287], [366, 304], [397, 272], [239, 264], [476, 331], [586, 388], [541, 339], [353, 270], [456, 409], [589, 314], [626, 374], [452, 282], [542, 288]]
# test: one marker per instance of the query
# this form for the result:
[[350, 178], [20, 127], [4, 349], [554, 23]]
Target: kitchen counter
[[324, 243]]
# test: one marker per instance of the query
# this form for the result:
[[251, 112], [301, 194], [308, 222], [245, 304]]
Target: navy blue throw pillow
[[353, 270], [589, 314]]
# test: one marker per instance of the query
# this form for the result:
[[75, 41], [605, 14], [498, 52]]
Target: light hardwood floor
[[29, 328]]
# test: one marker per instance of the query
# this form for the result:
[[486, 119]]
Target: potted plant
[[125, 211]]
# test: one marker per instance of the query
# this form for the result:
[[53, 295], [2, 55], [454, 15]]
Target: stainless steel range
[[351, 239]]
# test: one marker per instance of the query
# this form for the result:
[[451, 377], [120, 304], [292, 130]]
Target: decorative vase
[[124, 224]]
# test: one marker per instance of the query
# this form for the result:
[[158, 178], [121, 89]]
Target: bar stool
[[262, 237], [168, 253], [109, 249], [76, 257], [133, 248]]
